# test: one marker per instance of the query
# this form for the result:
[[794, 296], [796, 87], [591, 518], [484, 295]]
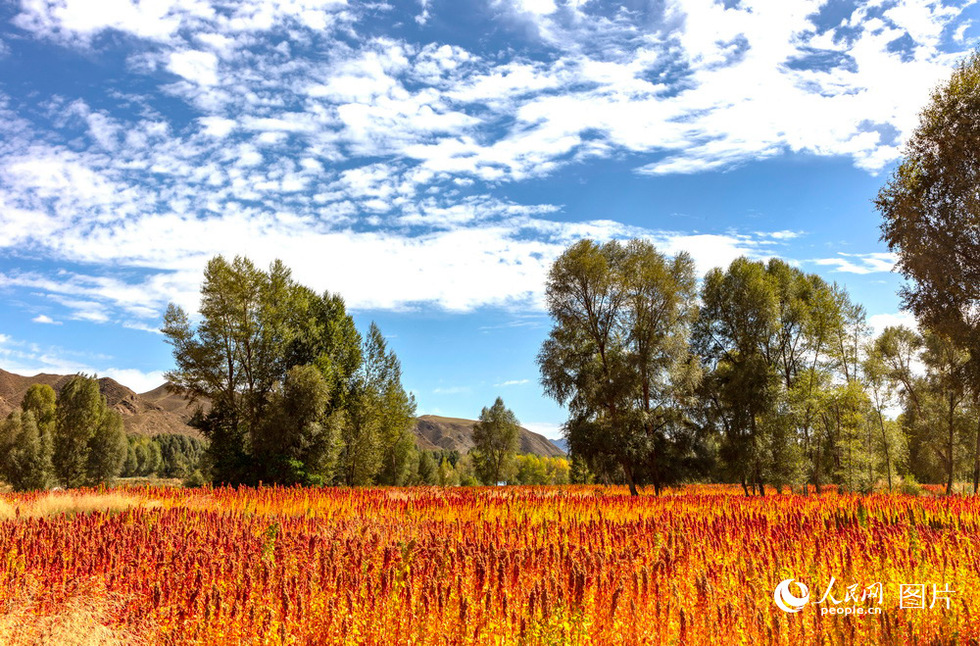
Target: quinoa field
[[507, 565]]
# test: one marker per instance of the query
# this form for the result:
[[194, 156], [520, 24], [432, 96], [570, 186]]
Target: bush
[[195, 480], [909, 486]]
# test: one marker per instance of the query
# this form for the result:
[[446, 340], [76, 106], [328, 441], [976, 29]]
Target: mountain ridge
[[162, 411]]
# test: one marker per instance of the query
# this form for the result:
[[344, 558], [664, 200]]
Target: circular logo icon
[[786, 600]]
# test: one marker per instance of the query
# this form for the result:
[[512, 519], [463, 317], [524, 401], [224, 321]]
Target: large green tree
[[298, 441], [782, 390], [295, 397], [255, 326], [931, 219], [931, 209], [89, 444], [26, 440], [497, 438], [618, 357]]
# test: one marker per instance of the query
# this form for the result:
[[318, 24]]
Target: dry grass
[[84, 619], [55, 504]]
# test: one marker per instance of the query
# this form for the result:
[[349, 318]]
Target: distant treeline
[[164, 456], [450, 468]]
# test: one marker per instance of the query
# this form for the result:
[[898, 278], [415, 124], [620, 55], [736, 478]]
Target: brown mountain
[[153, 413], [451, 433], [160, 411]]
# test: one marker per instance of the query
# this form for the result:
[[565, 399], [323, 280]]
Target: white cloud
[[512, 382], [451, 390], [195, 66], [855, 263], [136, 380], [549, 430], [879, 322], [28, 359], [217, 126], [372, 164], [44, 318]]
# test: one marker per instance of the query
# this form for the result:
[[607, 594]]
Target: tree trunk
[[888, 456], [630, 481], [949, 454]]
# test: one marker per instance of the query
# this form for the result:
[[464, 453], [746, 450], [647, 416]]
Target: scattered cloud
[[857, 263], [375, 164], [451, 390], [512, 382], [136, 380], [29, 359], [44, 318]]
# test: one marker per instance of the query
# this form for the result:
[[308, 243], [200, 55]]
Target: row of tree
[[449, 469], [164, 456], [764, 375], [71, 438]]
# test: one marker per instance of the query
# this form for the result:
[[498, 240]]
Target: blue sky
[[429, 159]]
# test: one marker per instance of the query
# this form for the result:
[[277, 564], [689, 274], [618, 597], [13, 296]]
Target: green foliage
[[295, 396], [40, 399], [297, 443], [106, 449], [497, 436], [194, 480], [931, 209], [618, 356], [540, 470], [378, 442], [26, 452], [427, 469], [180, 455], [84, 422]]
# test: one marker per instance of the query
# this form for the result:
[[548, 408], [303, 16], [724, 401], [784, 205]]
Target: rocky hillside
[[451, 433], [160, 411]]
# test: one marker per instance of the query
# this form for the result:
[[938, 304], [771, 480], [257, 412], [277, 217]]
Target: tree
[[617, 355], [738, 321], [496, 438], [881, 391], [89, 442], [26, 458], [378, 441], [427, 471], [297, 443], [27, 438], [80, 409], [106, 449], [255, 327], [931, 209], [40, 399], [931, 219]]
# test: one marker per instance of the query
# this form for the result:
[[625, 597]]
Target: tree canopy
[[295, 395], [617, 355]]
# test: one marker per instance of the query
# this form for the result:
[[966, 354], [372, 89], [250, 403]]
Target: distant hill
[[561, 443], [154, 413], [451, 433], [160, 411]]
